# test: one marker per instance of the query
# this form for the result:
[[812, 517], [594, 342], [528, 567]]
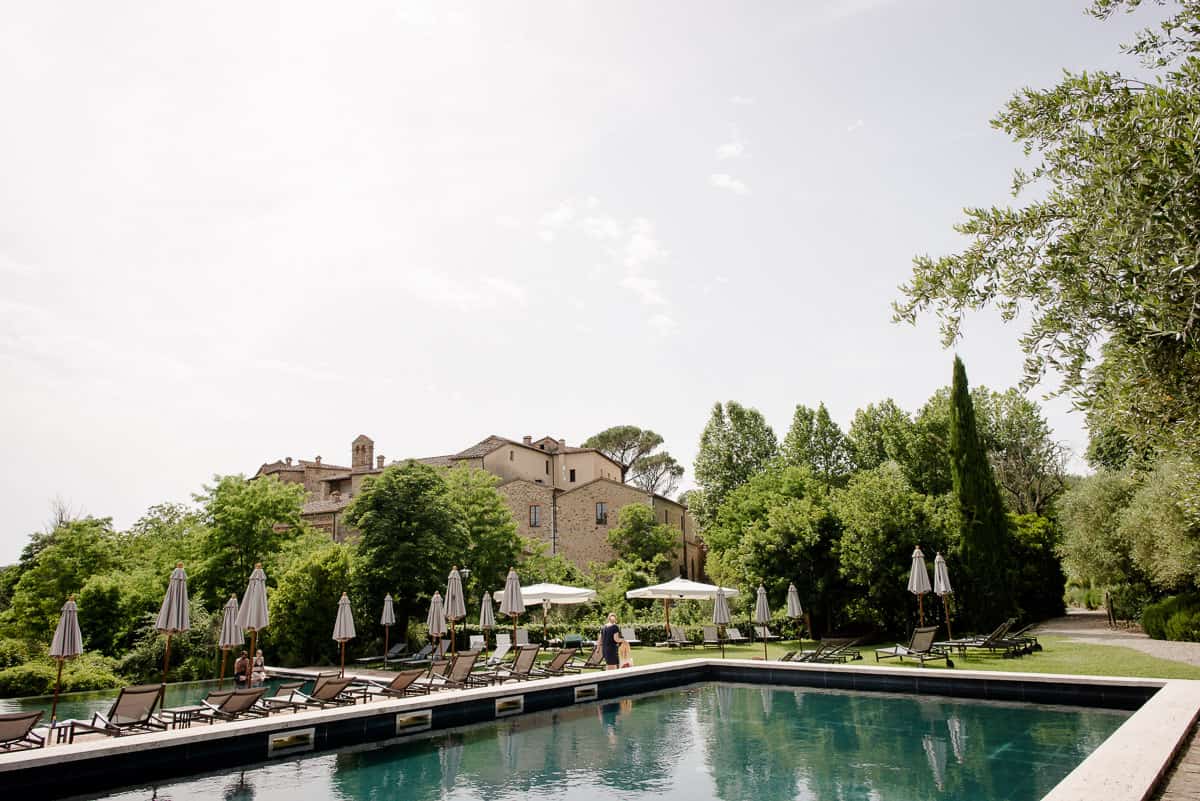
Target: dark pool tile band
[[87, 769]]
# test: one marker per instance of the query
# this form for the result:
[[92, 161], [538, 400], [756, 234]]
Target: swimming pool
[[700, 742]]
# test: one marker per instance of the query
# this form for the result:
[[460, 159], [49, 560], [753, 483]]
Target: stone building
[[565, 496]]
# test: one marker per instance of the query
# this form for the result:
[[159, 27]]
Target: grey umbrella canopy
[[512, 603], [387, 619], [253, 616], [762, 613], [794, 610], [487, 618], [721, 617], [231, 635], [67, 644], [173, 615], [941, 587], [435, 621], [918, 581], [343, 628], [456, 607]]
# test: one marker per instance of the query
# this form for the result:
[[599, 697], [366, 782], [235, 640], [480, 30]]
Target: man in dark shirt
[[610, 642]]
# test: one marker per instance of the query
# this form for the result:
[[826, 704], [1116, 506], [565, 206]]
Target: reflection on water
[[701, 744]]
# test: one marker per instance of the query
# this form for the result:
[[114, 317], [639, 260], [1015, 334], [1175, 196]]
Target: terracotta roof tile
[[324, 507]]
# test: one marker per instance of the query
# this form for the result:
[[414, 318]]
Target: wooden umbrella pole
[[166, 658], [253, 643], [946, 606], [514, 641], [57, 685], [667, 608], [764, 639], [342, 669], [221, 678], [545, 636], [921, 607], [385, 645]]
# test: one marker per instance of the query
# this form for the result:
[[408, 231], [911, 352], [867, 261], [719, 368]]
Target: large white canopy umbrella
[[231, 635], [721, 617], [942, 588], [511, 601], [252, 614], [387, 619], [918, 582], [173, 614], [343, 629], [762, 614], [456, 607], [679, 589], [67, 644], [435, 621], [548, 594]]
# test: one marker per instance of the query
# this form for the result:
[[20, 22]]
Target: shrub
[[13, 652], [32, 678], [1173, 615], [91, 671]]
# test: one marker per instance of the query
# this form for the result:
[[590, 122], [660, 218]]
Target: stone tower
[[362, 452]]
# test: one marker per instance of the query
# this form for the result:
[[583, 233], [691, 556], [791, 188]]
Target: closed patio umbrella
[[721, 617], [762, 614], [918, 581], [173, 615], [794, 610], [252, 614], [387, 620], [231, 636], [456, 607], [942, 588], [511, 602], [487, 619], [343, 629], [67, 644], [436, 621]]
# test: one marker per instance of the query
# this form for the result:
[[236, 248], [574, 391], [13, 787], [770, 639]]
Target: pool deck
[[1183, 781], [1128, 766]]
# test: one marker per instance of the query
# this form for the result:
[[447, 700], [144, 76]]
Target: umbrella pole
[[764, 639], [385, 646], [221, 678], [166, 658], [946, 606], [921, 608], [57, 685], [545, 636], [514, 639], [342, 669], [667, 609], [253, 643], [453, 641]]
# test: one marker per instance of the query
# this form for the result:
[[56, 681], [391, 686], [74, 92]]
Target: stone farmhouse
[[564, 496]]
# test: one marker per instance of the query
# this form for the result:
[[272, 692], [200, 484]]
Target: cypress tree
[[986, 595]]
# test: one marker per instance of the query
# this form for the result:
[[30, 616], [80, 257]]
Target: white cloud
[[508, 289], [507, 221], [305, 371], [643, 246], [731, 150], [602, 227], [664, 324], [725, 181], [439, 290], [646, 289], [741, 100], [558, 217], [11, 266], [854, 126]]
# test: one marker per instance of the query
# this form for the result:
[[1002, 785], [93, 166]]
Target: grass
[[1059, 655]]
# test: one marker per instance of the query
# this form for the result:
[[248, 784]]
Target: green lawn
[[1060, 655]]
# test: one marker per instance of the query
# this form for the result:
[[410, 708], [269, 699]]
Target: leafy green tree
[[985, 540], [248, 521], [657, 474], [1094, 547], [624, 445], [411, 536], [539, 566], [1162, 539], [922, 449], [877, 434], [883, 519], [638, 535], [1106, 249], [817, 442], [736, 444], [304, 606], [1030, 467], [1037, 575], [493, 545]]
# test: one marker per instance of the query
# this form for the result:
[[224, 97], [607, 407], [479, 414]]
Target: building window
[[572, 475], [510, 456], [535, 516], [547, 467], [601, 511]]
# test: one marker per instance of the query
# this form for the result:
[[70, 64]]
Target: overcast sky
[[234, 232]]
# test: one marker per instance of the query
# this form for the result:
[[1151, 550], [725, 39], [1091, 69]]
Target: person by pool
[[241, 670], [610, 643], [259, 674]]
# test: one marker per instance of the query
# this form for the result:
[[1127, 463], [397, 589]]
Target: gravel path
[[1092, 626]]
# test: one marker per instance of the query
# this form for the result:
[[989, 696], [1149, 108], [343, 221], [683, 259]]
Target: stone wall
[[520, 495]]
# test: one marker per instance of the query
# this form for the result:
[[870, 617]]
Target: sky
[[233, 232]]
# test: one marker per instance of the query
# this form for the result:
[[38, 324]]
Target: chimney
[[288, 461], [562, 444], [318, 461], [528, 440], [379, 462]]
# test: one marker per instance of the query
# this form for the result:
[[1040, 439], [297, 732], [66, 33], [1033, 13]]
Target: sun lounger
[[733, 635], [522, 637], [559, 664], [831, 650], [457, 674], [499, 654], [133, 711], [573, 641], [1027, 637], [16, 731], [596, 660], [712, 638], [234, 705], [424, 655], [331, 692], [997, 640], [764, 633], [394, 653], [677, 638], [403, 684], [475, 642], [629, 635], [282, 699], [520, 669], [920, 647], [788, 656]]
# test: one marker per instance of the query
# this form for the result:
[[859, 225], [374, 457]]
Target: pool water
[[710, 741], [81, 705]]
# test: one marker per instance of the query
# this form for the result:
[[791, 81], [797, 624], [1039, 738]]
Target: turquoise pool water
[[82, 705], [712, 741]]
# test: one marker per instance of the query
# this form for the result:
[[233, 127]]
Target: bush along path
[[1092, 627]]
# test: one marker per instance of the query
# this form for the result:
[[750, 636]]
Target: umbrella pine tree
[[985, 538]]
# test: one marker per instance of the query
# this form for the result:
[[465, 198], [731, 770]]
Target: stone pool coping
[[1126, 767]]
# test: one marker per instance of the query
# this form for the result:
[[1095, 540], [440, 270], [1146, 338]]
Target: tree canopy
[[817, 442], [736, 444], [624, 445]]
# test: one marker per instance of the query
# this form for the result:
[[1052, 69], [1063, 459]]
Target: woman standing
[[610, 643], [260, 669]]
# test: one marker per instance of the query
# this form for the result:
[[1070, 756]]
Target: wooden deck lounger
[[405, 683], [133, 711], [235, 705], [16, 731], [920, 647], [559, 664]]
